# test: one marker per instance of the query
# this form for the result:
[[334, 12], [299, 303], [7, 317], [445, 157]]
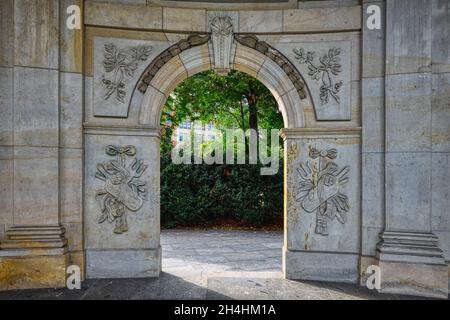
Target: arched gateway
[[93, 199]]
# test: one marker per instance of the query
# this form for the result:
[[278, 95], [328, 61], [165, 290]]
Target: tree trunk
[[253, 112]]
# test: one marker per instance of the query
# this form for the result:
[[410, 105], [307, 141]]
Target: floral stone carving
[[320, 189], [123, 190], [325, 72], [121, 64]]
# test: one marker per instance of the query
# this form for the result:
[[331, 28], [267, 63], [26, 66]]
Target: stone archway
[[140, 254], [272, 69]]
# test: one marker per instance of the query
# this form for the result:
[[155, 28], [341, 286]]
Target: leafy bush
[[204, 195]]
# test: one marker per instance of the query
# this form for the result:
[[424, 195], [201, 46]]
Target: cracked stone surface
[[212, 264]]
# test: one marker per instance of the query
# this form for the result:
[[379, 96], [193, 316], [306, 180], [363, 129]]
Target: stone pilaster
[[372, 164], [322, 204], [33, 248], [122, 226], [409, 255]]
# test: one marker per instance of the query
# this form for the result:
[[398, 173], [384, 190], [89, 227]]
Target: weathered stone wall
[[32, 145], [376, 127]]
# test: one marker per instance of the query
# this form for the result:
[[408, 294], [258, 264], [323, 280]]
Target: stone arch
[[193, 55]]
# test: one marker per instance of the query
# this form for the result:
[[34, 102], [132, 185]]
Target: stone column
[[33, 248], [409, 255]]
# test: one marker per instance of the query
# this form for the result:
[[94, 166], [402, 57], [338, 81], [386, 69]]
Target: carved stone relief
[[123, 190], [326, 67], [324, 73], [222, 41], [120, 66], [320, 188]]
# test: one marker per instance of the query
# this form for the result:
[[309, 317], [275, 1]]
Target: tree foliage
[[206, 194], [233, 101]]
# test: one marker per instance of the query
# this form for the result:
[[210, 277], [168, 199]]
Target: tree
[[233, 101], [207, 195]]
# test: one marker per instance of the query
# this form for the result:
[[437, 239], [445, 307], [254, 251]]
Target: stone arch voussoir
[[193, 55]]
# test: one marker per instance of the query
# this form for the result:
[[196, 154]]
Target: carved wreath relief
[[325, 72], [121, 64], [321, 182], [123, 191]]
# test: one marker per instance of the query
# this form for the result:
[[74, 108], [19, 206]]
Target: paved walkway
[[217, 251], [211, 265]]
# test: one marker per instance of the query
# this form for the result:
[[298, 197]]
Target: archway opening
[[221, 213]]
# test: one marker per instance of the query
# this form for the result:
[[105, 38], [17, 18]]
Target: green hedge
[[204, 195]]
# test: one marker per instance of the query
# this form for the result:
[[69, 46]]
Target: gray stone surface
[[408, 112], [6, 106], [6, 185], [7, 34], [36, 112], [408, 191], [185, 280], [440, 112], [440, 47], [118, 15], [373, 44], [440, 200], [134, 263], [373, 115], [322, 266], [408, 40], [71, 110], [36, 33], [36, 185]]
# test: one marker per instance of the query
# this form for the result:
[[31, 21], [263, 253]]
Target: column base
[[411, 263], [33, 257], [123, 263], [320, 266]]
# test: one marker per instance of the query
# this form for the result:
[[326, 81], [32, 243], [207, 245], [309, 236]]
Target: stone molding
[[291, 71], [44, 238], [413, 247], [320, 132], [121, 130], [249, 41], [166, 55], [247, 5]]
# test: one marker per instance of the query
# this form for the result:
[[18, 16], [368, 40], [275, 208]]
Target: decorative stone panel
[[322, 199], [121, 201], [118, 63], [326, 68]]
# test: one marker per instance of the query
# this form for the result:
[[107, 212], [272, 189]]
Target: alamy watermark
[[374, 279], [195, 149]]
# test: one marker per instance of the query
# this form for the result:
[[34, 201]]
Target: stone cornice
[[121, 129], [321, 132]]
